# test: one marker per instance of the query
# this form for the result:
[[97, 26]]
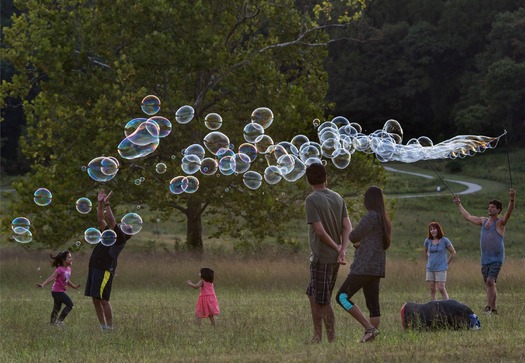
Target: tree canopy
[[440, 68], [82, 69]]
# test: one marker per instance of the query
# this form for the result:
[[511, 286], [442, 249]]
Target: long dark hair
[[375, 201], [59, 259]]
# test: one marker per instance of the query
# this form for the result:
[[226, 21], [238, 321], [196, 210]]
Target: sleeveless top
[[491, 244]]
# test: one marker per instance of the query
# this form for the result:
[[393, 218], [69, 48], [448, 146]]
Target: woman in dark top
[[371, 238]]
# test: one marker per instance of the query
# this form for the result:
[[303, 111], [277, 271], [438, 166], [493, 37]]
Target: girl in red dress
[[207, 305]]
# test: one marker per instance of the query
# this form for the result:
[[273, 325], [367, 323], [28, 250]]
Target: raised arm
[[100, 210], [467, 215], [510, 208], [108, 213]]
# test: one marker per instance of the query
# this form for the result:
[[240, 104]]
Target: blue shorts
[[322, 282], [99, 283], [491, 271]]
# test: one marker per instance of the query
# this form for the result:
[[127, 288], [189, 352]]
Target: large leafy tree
[[91, 63]]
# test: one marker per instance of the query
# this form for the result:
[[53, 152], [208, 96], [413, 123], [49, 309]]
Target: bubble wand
[[508, 157], [443, 180]]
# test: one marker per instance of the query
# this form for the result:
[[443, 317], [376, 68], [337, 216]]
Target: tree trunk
[[194, 225]]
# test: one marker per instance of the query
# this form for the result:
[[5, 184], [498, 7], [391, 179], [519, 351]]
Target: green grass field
[[265, 313], [264, 317]]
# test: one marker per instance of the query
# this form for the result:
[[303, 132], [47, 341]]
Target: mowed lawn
[[265, 314]]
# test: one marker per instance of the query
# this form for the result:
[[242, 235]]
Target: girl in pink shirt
[[61, 276], [207, 305]]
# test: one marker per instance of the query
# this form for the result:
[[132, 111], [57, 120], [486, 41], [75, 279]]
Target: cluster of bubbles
[[337, 140], [21, 230]]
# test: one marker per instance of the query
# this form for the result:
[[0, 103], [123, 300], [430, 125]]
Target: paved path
[[471, 187]]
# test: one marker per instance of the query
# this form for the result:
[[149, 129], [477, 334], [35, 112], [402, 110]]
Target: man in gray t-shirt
[[328, 231]]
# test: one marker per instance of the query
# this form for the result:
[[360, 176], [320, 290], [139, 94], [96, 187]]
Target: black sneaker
[[488, 310]]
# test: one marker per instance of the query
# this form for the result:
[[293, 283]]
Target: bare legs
[[440, 287], [322, 313], [104, 313], [491, 293], [199, 320]]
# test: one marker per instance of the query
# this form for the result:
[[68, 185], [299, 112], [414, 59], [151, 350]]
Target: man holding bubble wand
[[103, 262], [491, 243]]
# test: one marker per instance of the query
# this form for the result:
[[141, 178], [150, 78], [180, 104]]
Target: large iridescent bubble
[[216, 140], [102, 168], [92, 235], [262, 116], [131, 224]]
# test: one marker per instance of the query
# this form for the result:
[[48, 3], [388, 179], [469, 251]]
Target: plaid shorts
[[322, 281], [491, 271]]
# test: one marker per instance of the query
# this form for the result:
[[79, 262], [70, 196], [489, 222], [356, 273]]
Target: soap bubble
[[83, 205], [20, 222], [272, 175], [131, 224], [150, 105], [248, 149], [192, 184], [42, 197], [22, 235], [178, 184], [164, 125], [184, 114], [216, 140], [213, 121], [108, 237], [209, 166], [190, 164], [252, 131], [160, 168], [92, 235], [262, 116], [252, 180]]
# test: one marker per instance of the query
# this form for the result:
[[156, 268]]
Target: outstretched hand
[[457, 200], [101, 195]]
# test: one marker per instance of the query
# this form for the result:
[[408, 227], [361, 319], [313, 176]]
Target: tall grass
[[265, 314]]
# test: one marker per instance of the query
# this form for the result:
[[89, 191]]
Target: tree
[[496, 98], [92, 63]]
